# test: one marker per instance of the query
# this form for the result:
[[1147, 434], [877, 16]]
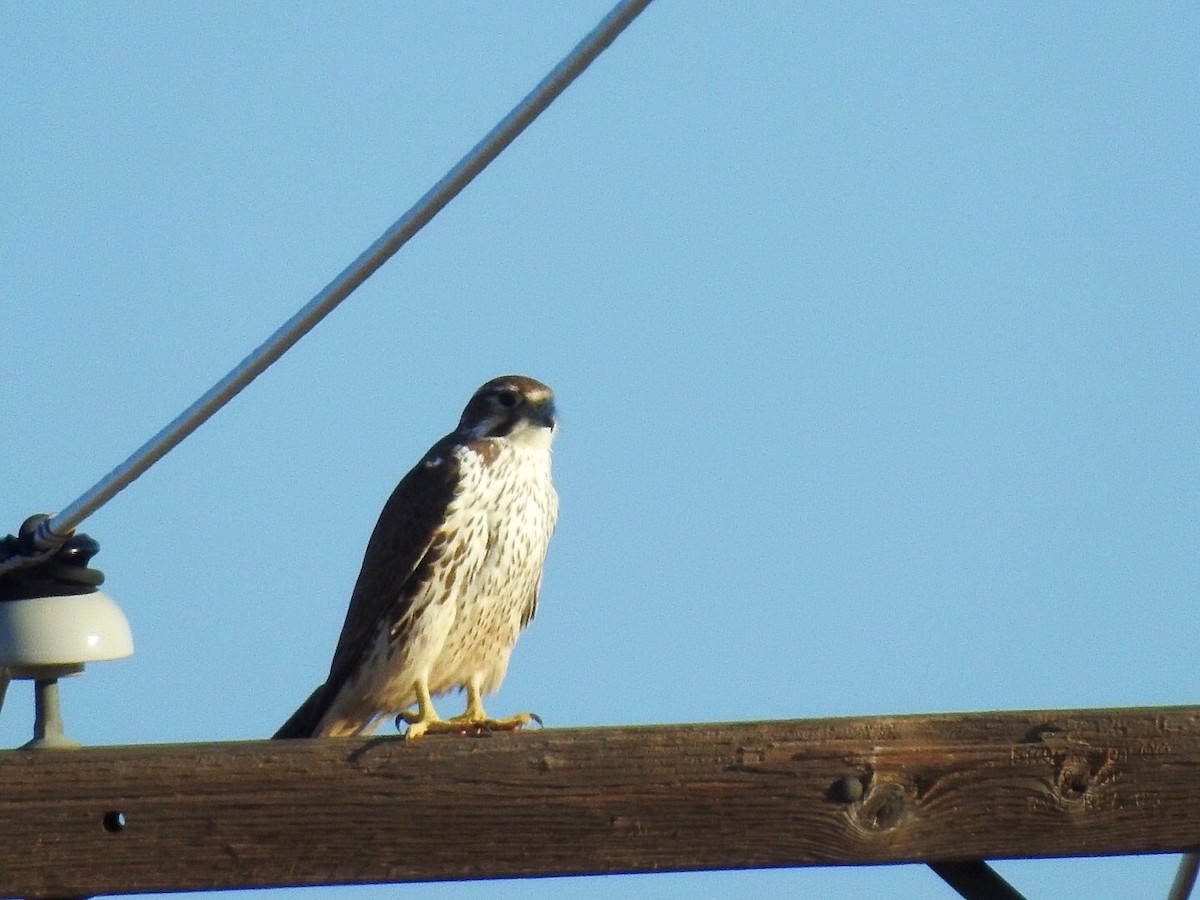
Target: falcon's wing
[[407, 540]]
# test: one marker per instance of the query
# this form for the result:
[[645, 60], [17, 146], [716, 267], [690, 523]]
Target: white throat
[[528, 436]]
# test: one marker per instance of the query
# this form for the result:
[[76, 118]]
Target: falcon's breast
[[498, 530]]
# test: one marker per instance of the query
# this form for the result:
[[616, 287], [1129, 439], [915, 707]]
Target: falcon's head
[[511, 406]]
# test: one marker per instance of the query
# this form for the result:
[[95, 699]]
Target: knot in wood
[[1079, 771], [886, 806], [548, 761]]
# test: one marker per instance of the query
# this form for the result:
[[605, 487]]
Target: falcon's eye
[[508, 399]]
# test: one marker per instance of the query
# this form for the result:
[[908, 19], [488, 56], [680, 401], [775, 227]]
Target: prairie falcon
[[451, 574]]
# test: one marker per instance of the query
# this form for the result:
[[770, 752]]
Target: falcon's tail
[[304, 721]]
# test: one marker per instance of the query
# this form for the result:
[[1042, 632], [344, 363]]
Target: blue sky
[[874, 331]]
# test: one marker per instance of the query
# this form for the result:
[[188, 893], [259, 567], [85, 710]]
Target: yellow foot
[[418, 725], [464, 724], [483, 724]]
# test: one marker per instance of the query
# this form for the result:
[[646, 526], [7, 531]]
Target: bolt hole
[[114, 821]]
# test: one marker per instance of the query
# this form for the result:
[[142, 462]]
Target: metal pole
[[1185, 877], [55, 529], [975, 880]]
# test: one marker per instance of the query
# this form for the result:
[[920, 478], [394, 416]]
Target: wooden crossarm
[[844, 791]]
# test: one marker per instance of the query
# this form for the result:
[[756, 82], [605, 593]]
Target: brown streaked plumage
[[451, 573]]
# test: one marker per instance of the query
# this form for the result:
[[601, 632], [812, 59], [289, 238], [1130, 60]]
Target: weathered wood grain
[[557, 802]]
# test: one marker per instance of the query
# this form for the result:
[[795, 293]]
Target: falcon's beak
[[545, 415]]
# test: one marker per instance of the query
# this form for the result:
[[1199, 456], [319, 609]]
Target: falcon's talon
[[425, 718], [419, 726], [417, 729]]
